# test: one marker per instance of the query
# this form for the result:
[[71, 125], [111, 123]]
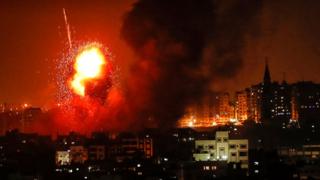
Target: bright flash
[[88, 66]]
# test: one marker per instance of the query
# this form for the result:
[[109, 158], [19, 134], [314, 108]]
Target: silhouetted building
[[254, 102], [306, 102], [281, 103], [129, 146], [270, 102], [266, 95], [97, 152], [29, 115]]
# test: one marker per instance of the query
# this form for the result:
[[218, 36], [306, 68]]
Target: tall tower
[[266, 77], [266, 94]]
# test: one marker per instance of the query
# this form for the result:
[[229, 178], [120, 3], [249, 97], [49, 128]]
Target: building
[[63, 158], [129, 146], [222, 148], [307, 156], [97, 152], [29, 115], [241, 106], [294, 109], [226, 110], [306, 103], [281, 103], [202, 114], [254, 102], [271, 103], [73, 138], [306, 151], [78, 154], [266, 95]]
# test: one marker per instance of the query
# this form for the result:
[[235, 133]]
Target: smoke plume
[[183, 47]]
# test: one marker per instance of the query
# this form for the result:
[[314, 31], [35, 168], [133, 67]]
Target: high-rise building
[[241, 106], [266, 94], [306, 102], [254, 102], [269, 102], [226, 110], [281, 103], [294, 109]]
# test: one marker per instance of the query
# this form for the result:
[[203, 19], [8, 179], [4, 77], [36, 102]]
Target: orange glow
[[88, 66], [195, 119]]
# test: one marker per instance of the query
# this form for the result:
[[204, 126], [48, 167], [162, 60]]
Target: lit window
[[224, 157]]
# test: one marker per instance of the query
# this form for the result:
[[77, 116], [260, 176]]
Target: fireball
[[88, 66]]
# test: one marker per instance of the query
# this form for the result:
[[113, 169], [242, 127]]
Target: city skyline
[[159, 89]]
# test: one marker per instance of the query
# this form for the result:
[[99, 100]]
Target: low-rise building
[[78, 154], [62, 158], [222, 148], [97, 152], [305, 152], [128, 146], [307, 156]]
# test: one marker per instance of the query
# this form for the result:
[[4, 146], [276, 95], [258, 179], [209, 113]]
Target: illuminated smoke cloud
[[182, 46]]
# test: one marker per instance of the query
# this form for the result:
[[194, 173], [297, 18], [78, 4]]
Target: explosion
[[180, 54], [88, 67], [88, 89]]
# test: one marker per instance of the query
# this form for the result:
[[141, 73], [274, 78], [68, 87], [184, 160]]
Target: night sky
[[33, 38]]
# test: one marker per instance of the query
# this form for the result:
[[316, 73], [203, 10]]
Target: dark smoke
[[182, 46]]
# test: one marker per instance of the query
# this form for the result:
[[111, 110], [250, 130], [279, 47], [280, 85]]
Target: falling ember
[[88, 67]]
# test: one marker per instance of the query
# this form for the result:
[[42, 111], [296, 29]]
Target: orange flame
[[88, 66]]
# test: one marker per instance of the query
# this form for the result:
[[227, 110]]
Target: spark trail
[[67, 27]]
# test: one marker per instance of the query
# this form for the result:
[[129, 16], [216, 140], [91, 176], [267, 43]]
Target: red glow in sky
[[32, 35]]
